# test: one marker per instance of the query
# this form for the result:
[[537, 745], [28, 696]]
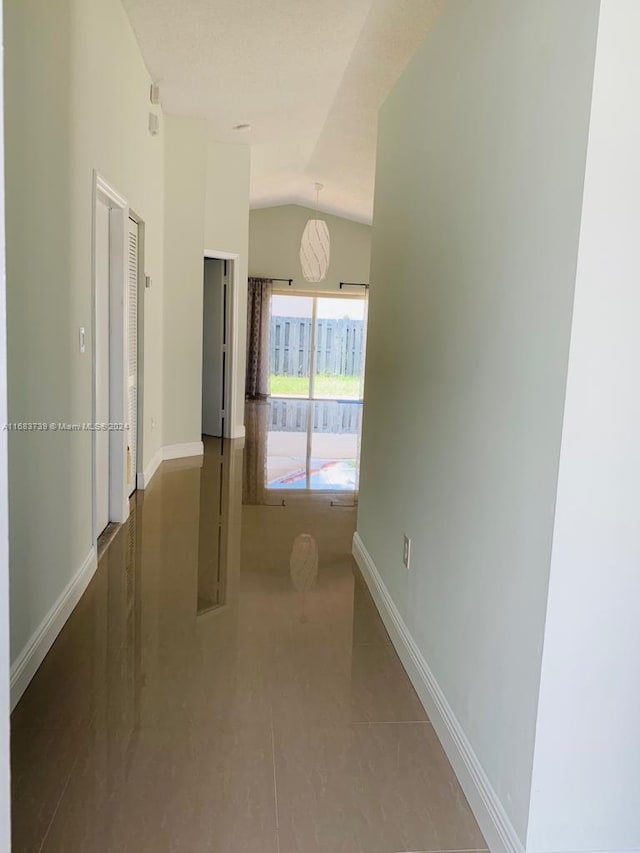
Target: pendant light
[[315, 248]]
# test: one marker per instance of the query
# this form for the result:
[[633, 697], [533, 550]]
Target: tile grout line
[[58, 804], [275, 783], [406, 723], [470, 850]]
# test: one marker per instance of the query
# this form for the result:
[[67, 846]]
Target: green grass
[[333, 387]]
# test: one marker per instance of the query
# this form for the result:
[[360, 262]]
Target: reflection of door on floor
[[317, 347], [102, 363]]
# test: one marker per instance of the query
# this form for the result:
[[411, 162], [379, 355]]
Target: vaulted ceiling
[[309, 77]]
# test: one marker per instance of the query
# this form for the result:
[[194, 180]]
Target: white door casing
[[132, 371], [108, 422], [101, 339], [234, 363], [214, 346]]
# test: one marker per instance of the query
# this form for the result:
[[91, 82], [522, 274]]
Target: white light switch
[[406, 551], [82, 343]]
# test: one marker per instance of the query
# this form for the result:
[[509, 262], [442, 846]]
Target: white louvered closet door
[[132, 326]]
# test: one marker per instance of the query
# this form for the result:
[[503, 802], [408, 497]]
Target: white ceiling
[[308, 76]]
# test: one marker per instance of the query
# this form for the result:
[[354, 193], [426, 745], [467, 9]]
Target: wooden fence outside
[[329, 416], [339, 346]]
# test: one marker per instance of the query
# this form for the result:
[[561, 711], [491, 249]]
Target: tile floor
[[206, 696]]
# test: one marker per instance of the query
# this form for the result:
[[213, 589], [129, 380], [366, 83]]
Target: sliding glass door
[[317, 347], [291, 343], [339, 348]]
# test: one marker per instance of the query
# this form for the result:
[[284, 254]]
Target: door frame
[[139, 472], [233, 382], [118, 355]]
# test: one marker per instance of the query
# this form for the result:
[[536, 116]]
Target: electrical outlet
[[406, 551], [153, 424]]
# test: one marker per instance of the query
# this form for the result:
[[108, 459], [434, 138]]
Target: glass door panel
[[288, 444], [339, 348], [291, 340], [335, 446], [313, 445]]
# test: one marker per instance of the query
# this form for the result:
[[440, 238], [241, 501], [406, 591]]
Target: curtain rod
[[342, 283], [270, 278]]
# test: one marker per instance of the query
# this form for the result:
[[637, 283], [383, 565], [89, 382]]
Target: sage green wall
[[586, 785], [226, 228], [5, 747], [274, 246], [207, 208], [76, 99], [481, 163], [185, 189]]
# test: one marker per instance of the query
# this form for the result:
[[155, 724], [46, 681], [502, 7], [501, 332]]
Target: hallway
[[203, 697]]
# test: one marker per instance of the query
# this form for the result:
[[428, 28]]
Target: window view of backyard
[[317, 351], [317, 347], [331, 387]]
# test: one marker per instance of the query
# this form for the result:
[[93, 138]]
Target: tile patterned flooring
[[197, 700]]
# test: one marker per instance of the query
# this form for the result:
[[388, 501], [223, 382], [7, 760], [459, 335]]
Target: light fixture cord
[[318, 188]]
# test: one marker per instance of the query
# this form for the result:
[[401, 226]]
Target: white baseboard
[[143, 479], [178, 451], [35, 651], [171, 451], [238, 431], [494, 822]]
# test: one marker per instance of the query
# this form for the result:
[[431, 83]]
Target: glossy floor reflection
[[301, 446], [225, 684]]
